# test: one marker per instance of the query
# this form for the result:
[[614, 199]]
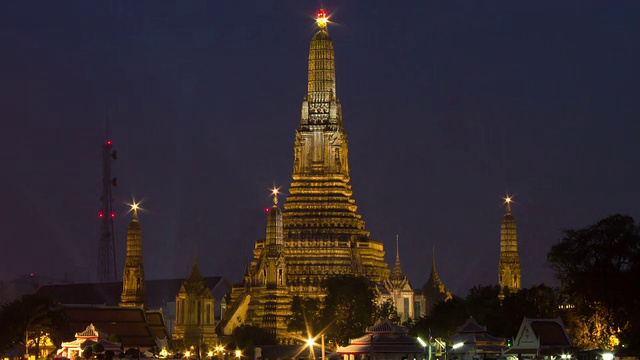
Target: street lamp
[[424, 345], [238, 353], [311, 342]]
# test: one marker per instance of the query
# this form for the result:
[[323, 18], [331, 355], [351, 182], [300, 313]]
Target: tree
[[598, 268], [248, 337], [442, 320], [387, 310], [87, 352], [306, 315], [349, 307], [30, 315]]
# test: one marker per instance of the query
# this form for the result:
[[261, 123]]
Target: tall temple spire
[[195, 304], [320, 213], [133, 277], [319, 234], [434, 290], [398, 274], [509, 264]]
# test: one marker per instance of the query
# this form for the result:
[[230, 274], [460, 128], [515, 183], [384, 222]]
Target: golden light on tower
[[275, 191], [508, 200], [322, 19], [134, 206]]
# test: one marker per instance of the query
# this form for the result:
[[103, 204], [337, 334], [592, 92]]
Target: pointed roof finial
[[321, 18], [433, 259], [398, 274], [507, 200], [275, 193]]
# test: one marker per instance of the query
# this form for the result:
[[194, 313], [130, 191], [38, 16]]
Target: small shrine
[[89, 337], [384, 340]]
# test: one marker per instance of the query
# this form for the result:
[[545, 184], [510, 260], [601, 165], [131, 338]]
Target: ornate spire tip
[[507, 200], [135, 206], [275, 193], [322, 19]]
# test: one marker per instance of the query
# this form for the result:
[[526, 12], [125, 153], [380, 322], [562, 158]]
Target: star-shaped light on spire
[[275, 191], [322, 19], [507, 200], [135, 206]]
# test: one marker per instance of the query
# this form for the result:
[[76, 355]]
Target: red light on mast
[[113, 215], [100, 214], [266, 209]]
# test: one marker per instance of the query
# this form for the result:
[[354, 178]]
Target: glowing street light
[[238, 353], [311, 342]]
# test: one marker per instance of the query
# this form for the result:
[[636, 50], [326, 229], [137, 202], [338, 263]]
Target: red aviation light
[[266, 209], [100, 214], [113, 215], [322, 19], [108, 142]]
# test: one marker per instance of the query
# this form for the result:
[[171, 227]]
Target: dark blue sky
[[447, 105]]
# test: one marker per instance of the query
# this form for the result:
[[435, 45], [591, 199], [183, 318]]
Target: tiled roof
[[130, 324], [386, 327], [157, 292], [471, 326], [550, 332]]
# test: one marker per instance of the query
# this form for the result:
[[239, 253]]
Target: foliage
[[442, 320], [97, 348], [87, 352], [349, 308], [591, 329], [114, 338], [387, 310], [598, 268], [306, 315], [34, 313], [108, 355], [482, 303], [248, 337], [132, 353]]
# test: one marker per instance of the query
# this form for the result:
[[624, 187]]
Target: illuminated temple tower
[[509, 265], [322, 234], [195, 318], [133, 277]]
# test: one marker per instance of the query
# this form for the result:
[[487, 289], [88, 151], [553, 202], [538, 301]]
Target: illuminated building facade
[[133, 276], [322, 234], [398, 289], [319, 234], [509, 264], [195, 312]]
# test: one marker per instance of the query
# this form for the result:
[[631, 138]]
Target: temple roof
[[434, 289], [471, 326], [130, 323], [386, 327], [157, 292]]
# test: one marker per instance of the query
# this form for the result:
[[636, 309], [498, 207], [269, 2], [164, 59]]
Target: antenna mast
[[107, 252]]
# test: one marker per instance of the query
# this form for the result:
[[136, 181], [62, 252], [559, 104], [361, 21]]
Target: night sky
[[448, 105]]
